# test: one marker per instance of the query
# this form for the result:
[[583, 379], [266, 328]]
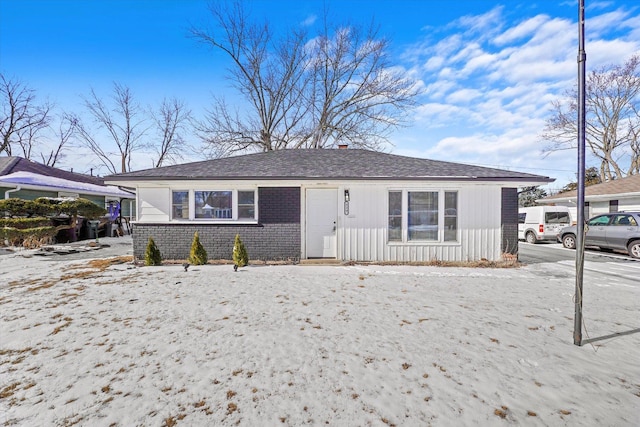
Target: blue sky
[[489, 68]]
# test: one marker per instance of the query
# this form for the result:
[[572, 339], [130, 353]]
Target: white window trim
[[234, 207], [405, 217]]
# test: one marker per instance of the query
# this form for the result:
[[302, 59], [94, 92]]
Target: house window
[[246, 204], [395, 216], [213, 204], [180, 204], [422, 214], [429, 216], [450, 216]]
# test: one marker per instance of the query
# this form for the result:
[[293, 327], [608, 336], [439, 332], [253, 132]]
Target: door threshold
[[320, 261]]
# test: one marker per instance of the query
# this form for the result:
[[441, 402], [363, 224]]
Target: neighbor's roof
[[13, 164], [332, 164], [629, 186], [34, 181]]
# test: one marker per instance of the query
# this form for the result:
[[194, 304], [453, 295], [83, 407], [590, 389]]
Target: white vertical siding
[[598, 208], [363, 233], [631, 204]]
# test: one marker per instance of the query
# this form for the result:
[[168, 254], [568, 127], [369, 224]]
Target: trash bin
[[93, 228]]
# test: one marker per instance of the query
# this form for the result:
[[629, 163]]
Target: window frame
[[234, 206], [173, 205], [442, 236]]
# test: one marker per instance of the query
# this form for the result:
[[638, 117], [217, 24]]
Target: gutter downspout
[[6, 193]]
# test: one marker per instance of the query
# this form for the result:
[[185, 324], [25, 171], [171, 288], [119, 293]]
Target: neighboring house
[[613, 196], [344, 204], [24, 179]]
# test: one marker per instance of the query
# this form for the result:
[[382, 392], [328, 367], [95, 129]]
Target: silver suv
[[615, 230]]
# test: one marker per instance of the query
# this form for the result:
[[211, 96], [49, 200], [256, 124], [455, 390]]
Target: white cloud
[[309, 21], [463, 96], [489, 85], [522, 30]]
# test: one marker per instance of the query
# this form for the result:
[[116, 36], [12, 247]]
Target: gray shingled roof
[[13, 164], [630, 184], [331, 164]]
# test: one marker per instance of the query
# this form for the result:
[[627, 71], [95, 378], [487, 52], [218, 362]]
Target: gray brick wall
[[509, 220], [275, 237]]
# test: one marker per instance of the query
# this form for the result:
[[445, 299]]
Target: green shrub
[[28, 237], [23, 223], [197, 255], [240, 256], [152, 255]]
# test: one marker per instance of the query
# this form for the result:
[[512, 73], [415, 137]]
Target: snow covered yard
[[107, 344]]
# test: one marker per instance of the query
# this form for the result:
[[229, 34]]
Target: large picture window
[[429, 216], [213, 204], [422, 214]]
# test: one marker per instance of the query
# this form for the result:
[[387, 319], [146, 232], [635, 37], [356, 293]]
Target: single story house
[[343, 204], [622, 194], [24, 179]]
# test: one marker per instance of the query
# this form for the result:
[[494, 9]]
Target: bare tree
[[355, 95], [170, 120], [612, 122], [303, 92], [268, 73], [21, 119], [123, 122], [65, 131]]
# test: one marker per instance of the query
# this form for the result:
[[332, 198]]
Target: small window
[[521, 218], [557, 218], [180, 205], [613, 206], [213, 204], [246, 204], [450, 216], [395, 216]]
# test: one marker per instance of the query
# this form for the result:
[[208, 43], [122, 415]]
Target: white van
[[537, 223]]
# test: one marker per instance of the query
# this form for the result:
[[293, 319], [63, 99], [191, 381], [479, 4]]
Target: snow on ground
[[308, 345]]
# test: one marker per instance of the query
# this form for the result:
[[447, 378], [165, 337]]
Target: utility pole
[[582, 60]]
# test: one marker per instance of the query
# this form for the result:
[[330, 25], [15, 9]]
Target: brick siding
[[275, 237], [509, 221]]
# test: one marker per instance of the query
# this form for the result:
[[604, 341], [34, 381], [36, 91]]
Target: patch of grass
[[501, 412], [9, 390], [231, 408]]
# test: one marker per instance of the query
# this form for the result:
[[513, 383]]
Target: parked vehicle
[[538, 223], [616, 230]]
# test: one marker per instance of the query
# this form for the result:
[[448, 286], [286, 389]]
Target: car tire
[[530, 237], [569, 241], [634, 249]]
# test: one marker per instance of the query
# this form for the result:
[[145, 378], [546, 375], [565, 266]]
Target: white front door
[[321, 216]]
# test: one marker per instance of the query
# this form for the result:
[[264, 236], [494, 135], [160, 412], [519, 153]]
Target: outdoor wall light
[[346, 202]]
